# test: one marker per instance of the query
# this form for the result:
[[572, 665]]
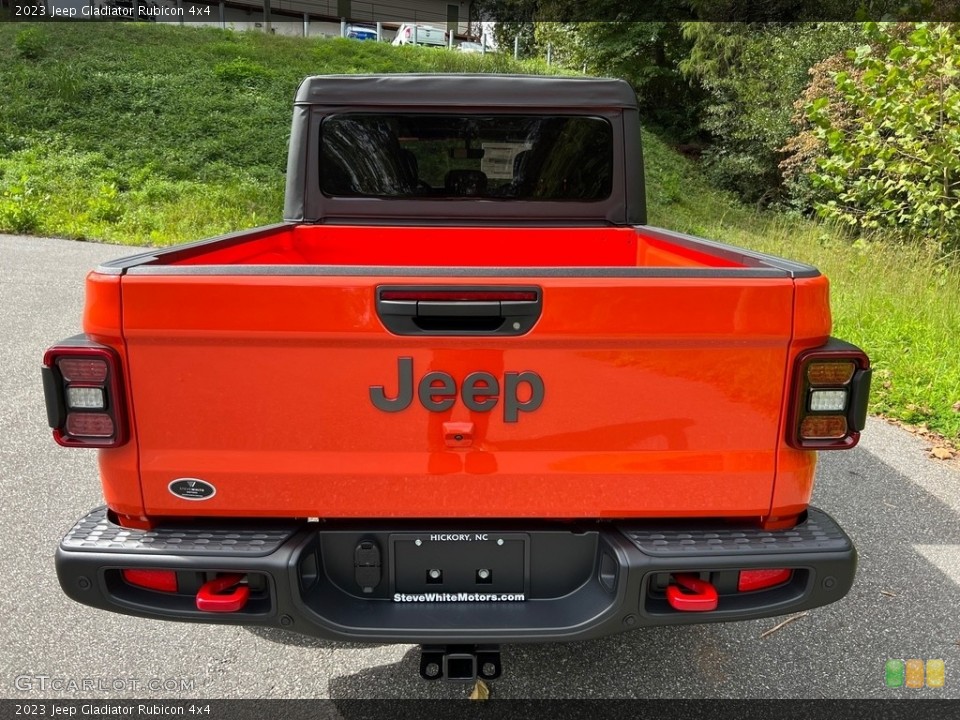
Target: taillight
[[84, 394], [830, 394]]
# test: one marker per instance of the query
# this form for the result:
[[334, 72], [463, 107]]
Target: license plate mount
[[460, 561]]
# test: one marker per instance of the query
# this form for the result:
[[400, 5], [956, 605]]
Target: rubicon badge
[[192, 489]]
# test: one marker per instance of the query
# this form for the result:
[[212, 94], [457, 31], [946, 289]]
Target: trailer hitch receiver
[[460, 663]]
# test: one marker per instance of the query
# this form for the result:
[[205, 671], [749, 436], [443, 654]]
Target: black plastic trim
[[53, 396], [860, 390], [249, 538], [606, 590], [456, 272], [748, 258], [187, 250], [444, 318]]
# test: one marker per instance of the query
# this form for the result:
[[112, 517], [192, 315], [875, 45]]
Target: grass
[[142, 134]]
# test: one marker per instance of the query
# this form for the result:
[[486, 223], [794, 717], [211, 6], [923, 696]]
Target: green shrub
[[895, 165], [30, 44], [21, 207]]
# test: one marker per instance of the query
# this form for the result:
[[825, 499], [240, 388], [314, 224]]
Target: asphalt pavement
[[900, 507]]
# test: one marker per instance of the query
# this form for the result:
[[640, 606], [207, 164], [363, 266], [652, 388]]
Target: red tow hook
[[212, 598], [702, 596]]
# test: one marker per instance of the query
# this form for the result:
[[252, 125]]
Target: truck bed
[[663, 358], [451, 246]]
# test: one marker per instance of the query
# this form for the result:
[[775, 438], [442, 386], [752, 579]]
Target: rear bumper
[[546, 582]]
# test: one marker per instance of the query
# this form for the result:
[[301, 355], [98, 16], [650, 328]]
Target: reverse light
[[84, 394], [831, 387], [828, 400], [89, 398]]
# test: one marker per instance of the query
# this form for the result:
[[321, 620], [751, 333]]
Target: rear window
[[508, 157]]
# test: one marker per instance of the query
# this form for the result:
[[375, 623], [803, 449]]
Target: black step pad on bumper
[[97, 532], [498, 581], [817, 533]]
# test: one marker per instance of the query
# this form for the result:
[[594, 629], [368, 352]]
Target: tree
[[646, 54], [752, 73]]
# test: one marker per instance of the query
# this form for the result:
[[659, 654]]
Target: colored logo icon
[[894, 673], [914, 673], [910, 673], [936, 670]]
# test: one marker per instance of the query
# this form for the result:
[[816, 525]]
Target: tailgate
[[660, 397]]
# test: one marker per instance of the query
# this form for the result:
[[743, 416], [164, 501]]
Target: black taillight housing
[[83, 389], [831, 389]]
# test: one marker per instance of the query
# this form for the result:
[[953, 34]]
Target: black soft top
[[413, 90], [324, 95]]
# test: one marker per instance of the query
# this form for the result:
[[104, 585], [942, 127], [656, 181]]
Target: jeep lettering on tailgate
[[480, 391]]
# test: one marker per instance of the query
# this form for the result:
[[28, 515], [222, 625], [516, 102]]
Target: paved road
[[901, 509]]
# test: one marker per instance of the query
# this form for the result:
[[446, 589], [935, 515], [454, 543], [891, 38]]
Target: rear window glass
[[509, 157]]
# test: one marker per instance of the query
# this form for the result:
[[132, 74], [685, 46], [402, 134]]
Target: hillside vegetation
[[136, 133], [150, 135]]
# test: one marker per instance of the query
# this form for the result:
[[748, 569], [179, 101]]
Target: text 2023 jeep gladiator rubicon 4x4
[[463, 395]]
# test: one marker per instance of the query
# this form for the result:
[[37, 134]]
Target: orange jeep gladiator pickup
[[463, 395]]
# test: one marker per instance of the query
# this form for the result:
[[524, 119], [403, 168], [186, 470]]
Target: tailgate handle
[[459, 310]]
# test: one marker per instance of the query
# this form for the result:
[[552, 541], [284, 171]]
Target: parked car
[[471, 47], [412, 34], [361, 32]]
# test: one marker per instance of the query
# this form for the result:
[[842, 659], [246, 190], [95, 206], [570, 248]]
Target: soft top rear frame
[[321, 96]]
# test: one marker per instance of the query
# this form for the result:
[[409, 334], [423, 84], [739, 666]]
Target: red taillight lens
[[162, 580], [762, 579], [84, 394], [85, 370], [97, 425], [830, 394]]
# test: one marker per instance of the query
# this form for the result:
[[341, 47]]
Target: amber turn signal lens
[[823, 427], [830, 373]]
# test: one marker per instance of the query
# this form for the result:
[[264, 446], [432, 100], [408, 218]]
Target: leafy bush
[[30, 44], [21, 207], [896, 165]]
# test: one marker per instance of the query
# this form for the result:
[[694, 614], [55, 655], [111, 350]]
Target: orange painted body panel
[[662, 398], [119, 467], [796, 468]]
